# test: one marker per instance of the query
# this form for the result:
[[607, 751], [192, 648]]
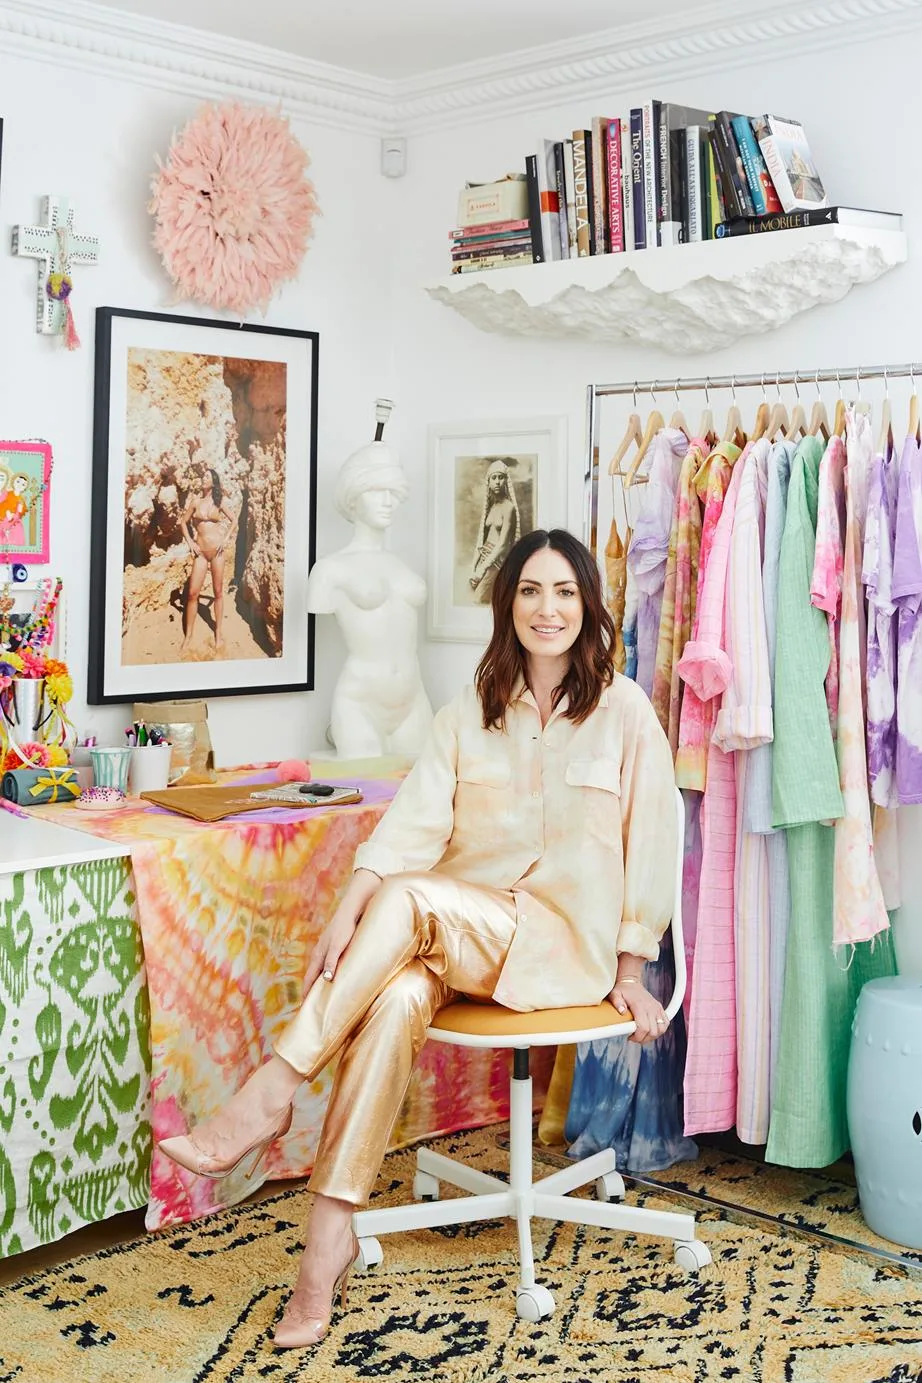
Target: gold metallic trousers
[[423, 939]]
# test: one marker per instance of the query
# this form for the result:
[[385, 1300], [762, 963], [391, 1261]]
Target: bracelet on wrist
[[629, 979]]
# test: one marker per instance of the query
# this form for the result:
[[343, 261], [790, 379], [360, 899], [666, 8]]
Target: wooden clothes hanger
[[633, 433], [763, 413], [798, 420], [914, 430], [733, 428], [778, 417], [677, 420], [819, 419], [655, 423]]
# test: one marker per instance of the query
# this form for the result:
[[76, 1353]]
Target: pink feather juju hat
[[233, 206]]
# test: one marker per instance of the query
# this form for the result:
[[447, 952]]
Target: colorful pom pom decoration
[[233, 206], [293, 771]]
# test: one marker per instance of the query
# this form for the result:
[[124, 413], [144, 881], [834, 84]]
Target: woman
[[498, 530], [208, 524], [540, 811]]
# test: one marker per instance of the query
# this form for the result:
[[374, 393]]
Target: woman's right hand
[[329, 946], [339, 931]]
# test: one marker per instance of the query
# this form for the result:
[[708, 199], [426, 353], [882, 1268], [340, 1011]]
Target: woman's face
[[547, 609], [496, 484], [376, 508]]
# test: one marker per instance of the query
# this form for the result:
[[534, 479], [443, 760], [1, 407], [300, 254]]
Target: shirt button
[[536, 794], [523, 916]]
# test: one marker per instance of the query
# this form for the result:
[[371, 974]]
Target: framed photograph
[[25, 495], [203, 509], [489, 484]]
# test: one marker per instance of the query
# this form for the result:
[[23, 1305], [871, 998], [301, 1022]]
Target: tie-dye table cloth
[[228, 913]]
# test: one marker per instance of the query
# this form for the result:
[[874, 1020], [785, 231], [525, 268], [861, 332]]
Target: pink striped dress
[[711, 1067]]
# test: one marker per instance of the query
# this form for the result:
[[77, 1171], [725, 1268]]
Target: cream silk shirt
[[578, 821]]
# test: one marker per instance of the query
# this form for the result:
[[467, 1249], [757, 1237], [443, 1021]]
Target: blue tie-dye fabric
[[629, 1097]]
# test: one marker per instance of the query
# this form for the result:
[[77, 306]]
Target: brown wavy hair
[[591, 667]]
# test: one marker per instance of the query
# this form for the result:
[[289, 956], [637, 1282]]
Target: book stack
[[498, 244], [662, 174]]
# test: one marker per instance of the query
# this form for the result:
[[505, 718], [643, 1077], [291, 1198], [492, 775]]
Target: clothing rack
[[766, 379]]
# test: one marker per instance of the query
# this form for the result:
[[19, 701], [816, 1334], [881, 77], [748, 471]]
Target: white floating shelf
[[683, 298]]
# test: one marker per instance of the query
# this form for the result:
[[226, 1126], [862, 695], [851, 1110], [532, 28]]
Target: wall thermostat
[[393, 156]]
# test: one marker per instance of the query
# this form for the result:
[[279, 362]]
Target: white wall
[[94, 139], [448, 369]]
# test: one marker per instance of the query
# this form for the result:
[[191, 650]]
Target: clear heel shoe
[[307, 1333], [183, 1151]]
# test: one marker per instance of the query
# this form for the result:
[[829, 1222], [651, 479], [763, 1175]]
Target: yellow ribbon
[[66, 779]]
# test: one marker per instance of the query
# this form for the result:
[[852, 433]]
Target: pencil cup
[[150, 768], [110, 767]]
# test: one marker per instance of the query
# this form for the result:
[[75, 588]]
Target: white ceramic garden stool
[[885, 1107]]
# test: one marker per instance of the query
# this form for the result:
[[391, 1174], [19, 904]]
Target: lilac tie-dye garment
[[877, 575], [649, 547], [907, 594]]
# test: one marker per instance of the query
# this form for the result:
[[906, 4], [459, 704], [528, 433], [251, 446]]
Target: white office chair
[[468, 1024]]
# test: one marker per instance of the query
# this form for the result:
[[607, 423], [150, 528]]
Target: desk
[[228, 912]]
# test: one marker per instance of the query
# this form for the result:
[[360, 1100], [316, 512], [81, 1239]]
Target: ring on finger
[[661, 1022]]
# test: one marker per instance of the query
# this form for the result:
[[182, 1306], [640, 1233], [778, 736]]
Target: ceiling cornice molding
[[93, 38], [172, 57], [706, 38]]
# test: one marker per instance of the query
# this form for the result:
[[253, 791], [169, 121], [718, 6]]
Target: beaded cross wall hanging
[[57, 247]]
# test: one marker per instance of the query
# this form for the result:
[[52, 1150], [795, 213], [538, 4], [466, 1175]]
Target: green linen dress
[[808, 1117]]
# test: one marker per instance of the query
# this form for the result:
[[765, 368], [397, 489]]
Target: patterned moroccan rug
[[780, 1303]]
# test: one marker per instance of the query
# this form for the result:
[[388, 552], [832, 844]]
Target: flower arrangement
[[24, 658]]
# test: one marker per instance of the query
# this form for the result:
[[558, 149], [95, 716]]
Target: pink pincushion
[[99, 799], [293, 771]]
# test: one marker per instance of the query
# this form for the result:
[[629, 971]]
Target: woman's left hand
[[647, 1012]]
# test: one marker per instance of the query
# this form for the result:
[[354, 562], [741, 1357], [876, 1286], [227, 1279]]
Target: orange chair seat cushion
[[491, 1020]]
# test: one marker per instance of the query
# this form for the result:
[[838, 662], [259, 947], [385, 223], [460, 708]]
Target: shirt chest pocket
[[598, 783], [478, 771]]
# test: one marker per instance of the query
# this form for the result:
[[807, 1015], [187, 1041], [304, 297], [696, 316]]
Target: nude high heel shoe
[[183, 1151], [308, 1333]]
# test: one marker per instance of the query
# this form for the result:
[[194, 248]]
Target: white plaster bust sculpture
[[379, 703]]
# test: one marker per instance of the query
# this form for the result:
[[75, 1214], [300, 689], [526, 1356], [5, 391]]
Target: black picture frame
[[162, 398]]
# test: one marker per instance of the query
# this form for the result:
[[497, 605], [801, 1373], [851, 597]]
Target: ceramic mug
[[110, 767], [150, 768]]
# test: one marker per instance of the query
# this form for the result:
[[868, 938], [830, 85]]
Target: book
[[491, 228], [627, 212], [561, 200], [736, 188], [637, 180], [761, 187], [707, 172], [581, 187], [692, 185], [674, 120], [504, 200], [534, 209], [787, 155], [493, 262], [818, 216], [590, 191], [600, 217], [650, 180], [547, 192], [615, 189], [496, 247], [572, 248], [715, 197]]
